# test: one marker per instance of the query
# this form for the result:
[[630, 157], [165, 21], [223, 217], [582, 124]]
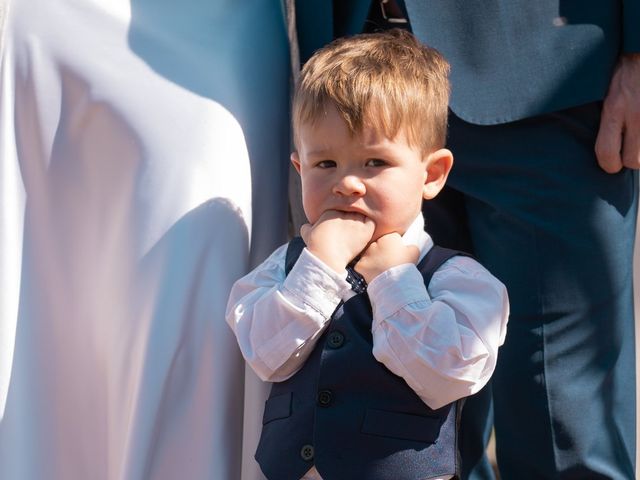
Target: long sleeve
[[443, 342], [277, 318]]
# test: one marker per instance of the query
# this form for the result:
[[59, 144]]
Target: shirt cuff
[[396, 288], [316, 284]]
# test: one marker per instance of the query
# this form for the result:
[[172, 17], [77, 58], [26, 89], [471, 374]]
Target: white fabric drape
[[130, 132]]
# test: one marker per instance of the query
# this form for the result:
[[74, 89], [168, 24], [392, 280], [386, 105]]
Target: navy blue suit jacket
[[510, 59]]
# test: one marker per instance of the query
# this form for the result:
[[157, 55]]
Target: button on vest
[[335, 339], [324, 398]]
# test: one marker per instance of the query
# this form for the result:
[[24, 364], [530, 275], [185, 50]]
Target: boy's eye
[[326, 164], [376, 162]]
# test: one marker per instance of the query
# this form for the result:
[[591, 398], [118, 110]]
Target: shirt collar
[[416, 235]]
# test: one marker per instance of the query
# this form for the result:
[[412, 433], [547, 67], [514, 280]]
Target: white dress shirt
[[442, 341]]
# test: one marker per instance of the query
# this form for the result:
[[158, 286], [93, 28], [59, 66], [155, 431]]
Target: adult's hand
[[618, 142]]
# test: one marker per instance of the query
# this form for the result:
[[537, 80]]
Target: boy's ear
[[295, 159], [438, 166]]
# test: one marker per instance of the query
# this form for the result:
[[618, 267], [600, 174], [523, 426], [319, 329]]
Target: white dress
[[130, 131]]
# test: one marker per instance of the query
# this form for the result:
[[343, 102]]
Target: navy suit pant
[[530, 201]]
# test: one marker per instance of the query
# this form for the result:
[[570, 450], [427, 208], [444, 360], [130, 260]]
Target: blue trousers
[[530, 201]]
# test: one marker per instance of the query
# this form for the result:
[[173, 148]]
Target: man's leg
[[559, 232]]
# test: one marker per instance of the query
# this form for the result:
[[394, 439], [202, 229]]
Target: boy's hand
[[338, 237], [386, 252]]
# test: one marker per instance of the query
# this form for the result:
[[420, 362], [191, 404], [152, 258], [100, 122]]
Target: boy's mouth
[[351, 209]]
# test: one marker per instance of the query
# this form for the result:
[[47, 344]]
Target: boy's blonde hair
[[387, 81]]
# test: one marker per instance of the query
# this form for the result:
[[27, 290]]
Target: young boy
[[371, 333]]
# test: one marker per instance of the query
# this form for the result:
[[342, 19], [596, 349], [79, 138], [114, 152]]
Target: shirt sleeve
[[277, 318], [443, 342]]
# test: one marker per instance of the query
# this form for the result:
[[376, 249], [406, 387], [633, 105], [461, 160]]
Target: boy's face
[[369, 174]]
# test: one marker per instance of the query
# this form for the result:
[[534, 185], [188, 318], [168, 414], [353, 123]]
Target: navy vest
[[348, 415]]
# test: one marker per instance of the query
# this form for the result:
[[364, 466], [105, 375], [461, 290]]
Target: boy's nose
[[349, 185]]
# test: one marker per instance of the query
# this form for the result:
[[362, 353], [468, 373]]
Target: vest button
[[325, 397], [306, 452], [336, 339]]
